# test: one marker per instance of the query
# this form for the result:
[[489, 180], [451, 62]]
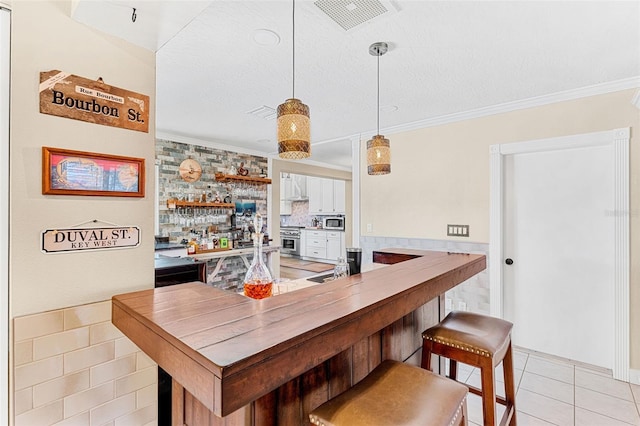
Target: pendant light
[[378, 149], [294, 131]]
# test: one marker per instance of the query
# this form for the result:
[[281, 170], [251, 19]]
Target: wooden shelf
[[172, 204], [199, 251], [244, 179]]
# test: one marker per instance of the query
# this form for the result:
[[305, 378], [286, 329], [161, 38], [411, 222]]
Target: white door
[[559, 233]]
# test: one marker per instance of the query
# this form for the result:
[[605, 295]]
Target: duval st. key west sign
[[83, 239], [70, 96]]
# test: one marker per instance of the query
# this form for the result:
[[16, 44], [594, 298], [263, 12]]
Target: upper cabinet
[[285, 193], [339, 197], [293, 187], [326, 196]]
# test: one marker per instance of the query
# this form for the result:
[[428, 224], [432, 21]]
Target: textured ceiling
[[445, 57]]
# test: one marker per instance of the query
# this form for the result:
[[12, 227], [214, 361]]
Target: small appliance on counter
[[333, 223], [354, 259]]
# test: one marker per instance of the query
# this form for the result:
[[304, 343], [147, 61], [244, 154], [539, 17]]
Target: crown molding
[[324, 165], [567, 95]]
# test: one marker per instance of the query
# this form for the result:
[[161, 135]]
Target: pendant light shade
[[294, 126], [378, 147], [378, 156], [293, 130]]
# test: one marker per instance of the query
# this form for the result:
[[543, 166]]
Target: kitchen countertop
[[171, 262], [169, 246], [228, 350], [232, 252], [285, 285]]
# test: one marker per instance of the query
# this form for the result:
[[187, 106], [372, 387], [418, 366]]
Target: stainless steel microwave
[[333, 222]]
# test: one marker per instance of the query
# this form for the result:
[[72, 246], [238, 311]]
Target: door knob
[[509, 261]]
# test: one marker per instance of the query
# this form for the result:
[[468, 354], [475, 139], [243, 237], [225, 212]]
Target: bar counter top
[[228, 350]]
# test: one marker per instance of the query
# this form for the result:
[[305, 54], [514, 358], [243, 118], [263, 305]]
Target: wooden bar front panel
[[291, 403]]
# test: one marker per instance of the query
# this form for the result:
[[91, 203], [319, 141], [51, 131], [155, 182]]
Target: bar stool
[[480, 341], [396, 394]]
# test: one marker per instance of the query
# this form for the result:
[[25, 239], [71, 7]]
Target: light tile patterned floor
[[552, 391]]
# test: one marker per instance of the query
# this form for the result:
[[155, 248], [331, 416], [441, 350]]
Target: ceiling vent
[[351, 13], [264, 111]]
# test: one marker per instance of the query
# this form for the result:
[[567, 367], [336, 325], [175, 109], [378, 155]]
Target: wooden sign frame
[[71, 96], [67, 172], [75, 240]]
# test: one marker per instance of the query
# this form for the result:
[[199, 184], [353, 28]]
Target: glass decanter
[[258, 283], [341, 269]]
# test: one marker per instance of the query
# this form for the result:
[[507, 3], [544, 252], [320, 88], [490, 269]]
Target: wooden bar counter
[[239, 361]]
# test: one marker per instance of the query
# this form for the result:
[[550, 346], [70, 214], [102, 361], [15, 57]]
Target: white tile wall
[[73, 367], [474, 292]]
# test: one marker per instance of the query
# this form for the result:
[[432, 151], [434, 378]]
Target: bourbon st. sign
[[70, 96], [83, 239]]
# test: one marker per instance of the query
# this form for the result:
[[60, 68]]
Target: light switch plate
[[458, 230]]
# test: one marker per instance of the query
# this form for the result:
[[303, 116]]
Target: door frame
[[618, 139], [5, 81]]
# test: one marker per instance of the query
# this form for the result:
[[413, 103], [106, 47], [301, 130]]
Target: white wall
[[44, 38], [440, 174]]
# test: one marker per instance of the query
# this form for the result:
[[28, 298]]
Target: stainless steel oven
[[290, 240]]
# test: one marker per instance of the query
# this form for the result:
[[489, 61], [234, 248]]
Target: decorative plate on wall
[[190, 170]]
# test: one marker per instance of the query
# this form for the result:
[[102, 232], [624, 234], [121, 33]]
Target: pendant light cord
[[378, 92], [293, 72]]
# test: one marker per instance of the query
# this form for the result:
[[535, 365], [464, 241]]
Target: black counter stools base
[[396, 394], [480, 341]]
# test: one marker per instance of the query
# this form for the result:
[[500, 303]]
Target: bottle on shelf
[[258, 283], [192, 247]]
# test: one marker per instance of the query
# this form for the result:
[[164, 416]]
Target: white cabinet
[[286, 186], [322, 245], [314, 188], [339, 197], [285, 207], [335, 245], [286, 192], [315, 244], [326, 196], [303, 243]]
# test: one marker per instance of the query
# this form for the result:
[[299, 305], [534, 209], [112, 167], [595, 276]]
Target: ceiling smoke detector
[[351, 13]]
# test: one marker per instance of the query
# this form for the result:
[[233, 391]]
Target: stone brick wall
[[170, 154]]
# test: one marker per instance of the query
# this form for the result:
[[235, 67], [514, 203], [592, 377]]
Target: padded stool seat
[[480, 341], [396, 394]]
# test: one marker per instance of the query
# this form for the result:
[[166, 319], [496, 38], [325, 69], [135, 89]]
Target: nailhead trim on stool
[[459, 346], [480, 341], [396, 394]]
